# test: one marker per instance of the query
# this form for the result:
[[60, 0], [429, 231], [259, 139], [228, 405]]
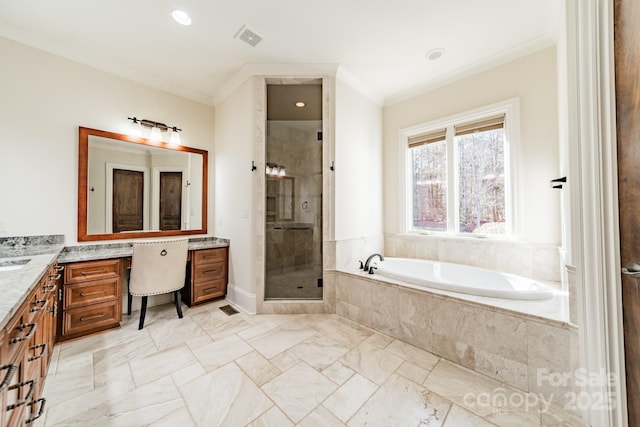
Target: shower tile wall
[[296, 245]]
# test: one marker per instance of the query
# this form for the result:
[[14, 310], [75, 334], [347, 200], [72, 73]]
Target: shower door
[[293, 197]]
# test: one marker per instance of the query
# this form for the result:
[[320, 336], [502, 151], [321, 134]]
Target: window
[[458, 175]]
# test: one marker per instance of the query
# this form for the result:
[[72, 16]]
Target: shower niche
[[293, 192]]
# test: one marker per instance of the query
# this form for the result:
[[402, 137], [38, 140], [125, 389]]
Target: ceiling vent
[[248, 36]]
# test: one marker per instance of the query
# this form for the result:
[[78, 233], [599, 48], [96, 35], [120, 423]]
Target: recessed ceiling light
[[300, 104], [434, 54], [181, 17]]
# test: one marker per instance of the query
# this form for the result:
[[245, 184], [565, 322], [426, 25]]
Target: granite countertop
[[34, 255], [123, 250]]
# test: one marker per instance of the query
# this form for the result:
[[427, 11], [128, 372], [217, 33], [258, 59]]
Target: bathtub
[[462, 278]]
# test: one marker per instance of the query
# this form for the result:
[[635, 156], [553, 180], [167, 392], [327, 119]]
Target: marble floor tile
[[268, 370], [459, 417], [171, 332], [143, 405], [483, 396], [399, 402], [219, 325], [219, 353], [372, 362], [259, 369], [412, 372], [73, 377], [321, 417], [161, 364], [350, 397], [224, 397], [299, 390], [338, 372], [413, 354], [279, 340], [319, 351], [342, 331], [272, 418]]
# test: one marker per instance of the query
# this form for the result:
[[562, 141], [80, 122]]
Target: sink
[[10, 265]]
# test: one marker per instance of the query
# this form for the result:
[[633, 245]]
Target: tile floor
[[210, 369]]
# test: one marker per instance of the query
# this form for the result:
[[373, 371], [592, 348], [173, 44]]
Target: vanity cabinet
[[91, 297], [26, 345], [207, 276]]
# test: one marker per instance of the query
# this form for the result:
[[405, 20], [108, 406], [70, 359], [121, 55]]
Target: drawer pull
[[97, 316], [89, 273], [41, 401], [47, 289], [11, 369], [54, 310], [59, 268], [210, 290], [88, 294], [42, 347], [31, 384], [54, 277], [29, 334], [44, 302], [211, 271]]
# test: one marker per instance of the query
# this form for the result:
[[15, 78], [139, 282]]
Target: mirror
[[280, 197], [130, 187]]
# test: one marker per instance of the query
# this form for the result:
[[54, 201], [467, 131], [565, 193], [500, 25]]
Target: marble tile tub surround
[[15, 285], [125, 249], [209, 369], [537, 261], [519, 349]]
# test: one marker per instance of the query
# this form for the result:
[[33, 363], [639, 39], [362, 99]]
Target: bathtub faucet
[[366, 264]]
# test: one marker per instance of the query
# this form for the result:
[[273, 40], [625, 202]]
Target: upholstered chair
[[157, 267]]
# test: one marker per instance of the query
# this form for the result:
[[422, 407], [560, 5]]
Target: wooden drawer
[[83, 271], [207, 291], [209, 255], [206, 272], [92, 318], [19, 331], [95, 291]]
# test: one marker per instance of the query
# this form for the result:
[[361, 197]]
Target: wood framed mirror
[[131, 187]]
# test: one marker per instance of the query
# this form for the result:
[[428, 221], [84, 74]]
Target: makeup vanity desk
[[95, 275]]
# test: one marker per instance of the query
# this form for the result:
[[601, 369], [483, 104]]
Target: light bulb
[[175, 138], [282, 171], [268, 170], [155, 134], [135, 129]]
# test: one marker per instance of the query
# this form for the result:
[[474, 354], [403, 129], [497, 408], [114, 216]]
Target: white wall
[[534, 80], [358, 163], [44, 99], [235, 190]]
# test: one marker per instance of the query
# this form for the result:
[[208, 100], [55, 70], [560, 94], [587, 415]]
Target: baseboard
[[241, 299]]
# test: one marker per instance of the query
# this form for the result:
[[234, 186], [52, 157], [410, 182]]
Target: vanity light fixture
[[274, 170], [181, 17], [155, 130]]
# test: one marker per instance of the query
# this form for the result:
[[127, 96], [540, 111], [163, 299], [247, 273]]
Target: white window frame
[[511, 109]]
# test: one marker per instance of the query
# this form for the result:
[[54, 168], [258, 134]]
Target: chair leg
[[176, 298], [129, 301], [143, 312]]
